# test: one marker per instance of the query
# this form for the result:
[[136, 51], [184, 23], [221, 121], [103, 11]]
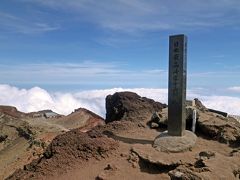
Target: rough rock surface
[[184, 173], [215, 126], [199, 105], [130, 106], [213, 163], [65, 149], [222, 129], [209, 124]]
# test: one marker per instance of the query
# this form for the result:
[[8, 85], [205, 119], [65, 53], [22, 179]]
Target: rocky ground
[[122, 149], [24, 137]]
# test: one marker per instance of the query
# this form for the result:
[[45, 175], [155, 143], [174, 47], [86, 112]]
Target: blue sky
[[71, 45]]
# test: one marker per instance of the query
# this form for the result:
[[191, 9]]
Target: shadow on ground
[[126, 139]]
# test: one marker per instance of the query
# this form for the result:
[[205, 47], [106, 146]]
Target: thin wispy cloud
[[15, 24], [218, 56], [85, 72], [234, 89], [113, 74], [216, 74], [140, 15]]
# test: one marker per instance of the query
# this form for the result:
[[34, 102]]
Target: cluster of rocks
[[129, 106], [160, 119]]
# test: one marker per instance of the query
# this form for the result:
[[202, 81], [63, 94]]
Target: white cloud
[[223, 103], [35, 99], [234, 89]]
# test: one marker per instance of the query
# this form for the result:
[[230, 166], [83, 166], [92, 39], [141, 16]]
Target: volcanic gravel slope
[[123, 150]]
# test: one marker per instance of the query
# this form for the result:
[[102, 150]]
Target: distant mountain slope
[[11, 111], [44, 113], [79, 118], [24, 136]]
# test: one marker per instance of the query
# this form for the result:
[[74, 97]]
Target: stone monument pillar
[[176, 139], [177, 85]]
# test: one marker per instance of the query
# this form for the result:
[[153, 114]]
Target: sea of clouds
[[36, 98]]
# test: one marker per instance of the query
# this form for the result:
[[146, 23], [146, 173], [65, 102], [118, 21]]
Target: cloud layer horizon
[[36, 99]]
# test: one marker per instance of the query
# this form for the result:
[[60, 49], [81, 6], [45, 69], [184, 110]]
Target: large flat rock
[[166, 143]]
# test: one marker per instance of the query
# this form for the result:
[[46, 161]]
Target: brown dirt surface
[[130, 155]]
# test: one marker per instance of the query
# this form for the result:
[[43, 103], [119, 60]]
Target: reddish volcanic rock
[[131, 107], [11, 111]]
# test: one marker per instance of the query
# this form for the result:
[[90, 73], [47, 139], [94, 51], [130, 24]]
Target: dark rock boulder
[[222, 129], [130, 106]]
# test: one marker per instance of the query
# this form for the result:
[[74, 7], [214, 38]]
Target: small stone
[[235, 152], [200, 163], [154, 125], [175, 174], [203, 158], [3, 138], [183, 173], [101, 176], [110, 167], [141, 125], [123, 155], [206, 154]]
